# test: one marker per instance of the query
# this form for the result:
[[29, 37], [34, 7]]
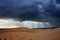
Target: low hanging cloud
[[12, 23]]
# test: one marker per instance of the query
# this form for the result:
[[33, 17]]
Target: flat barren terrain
[[30, 34]]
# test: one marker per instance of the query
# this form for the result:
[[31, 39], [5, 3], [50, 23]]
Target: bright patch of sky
[[10, 23]]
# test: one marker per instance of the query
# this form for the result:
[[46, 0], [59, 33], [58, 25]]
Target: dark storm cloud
[[52, 9], [58, 1], [29, 10], [19, 9]]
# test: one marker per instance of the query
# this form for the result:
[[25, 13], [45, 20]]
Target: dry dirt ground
[[30, 34]]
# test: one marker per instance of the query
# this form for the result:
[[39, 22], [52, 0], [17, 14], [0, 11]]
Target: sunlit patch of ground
[[33, 34]]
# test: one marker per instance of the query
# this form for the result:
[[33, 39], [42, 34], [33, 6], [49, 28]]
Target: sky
[[12, 23], [31, 10]]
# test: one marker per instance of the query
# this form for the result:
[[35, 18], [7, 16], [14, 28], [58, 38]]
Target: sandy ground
[[30, 34]]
